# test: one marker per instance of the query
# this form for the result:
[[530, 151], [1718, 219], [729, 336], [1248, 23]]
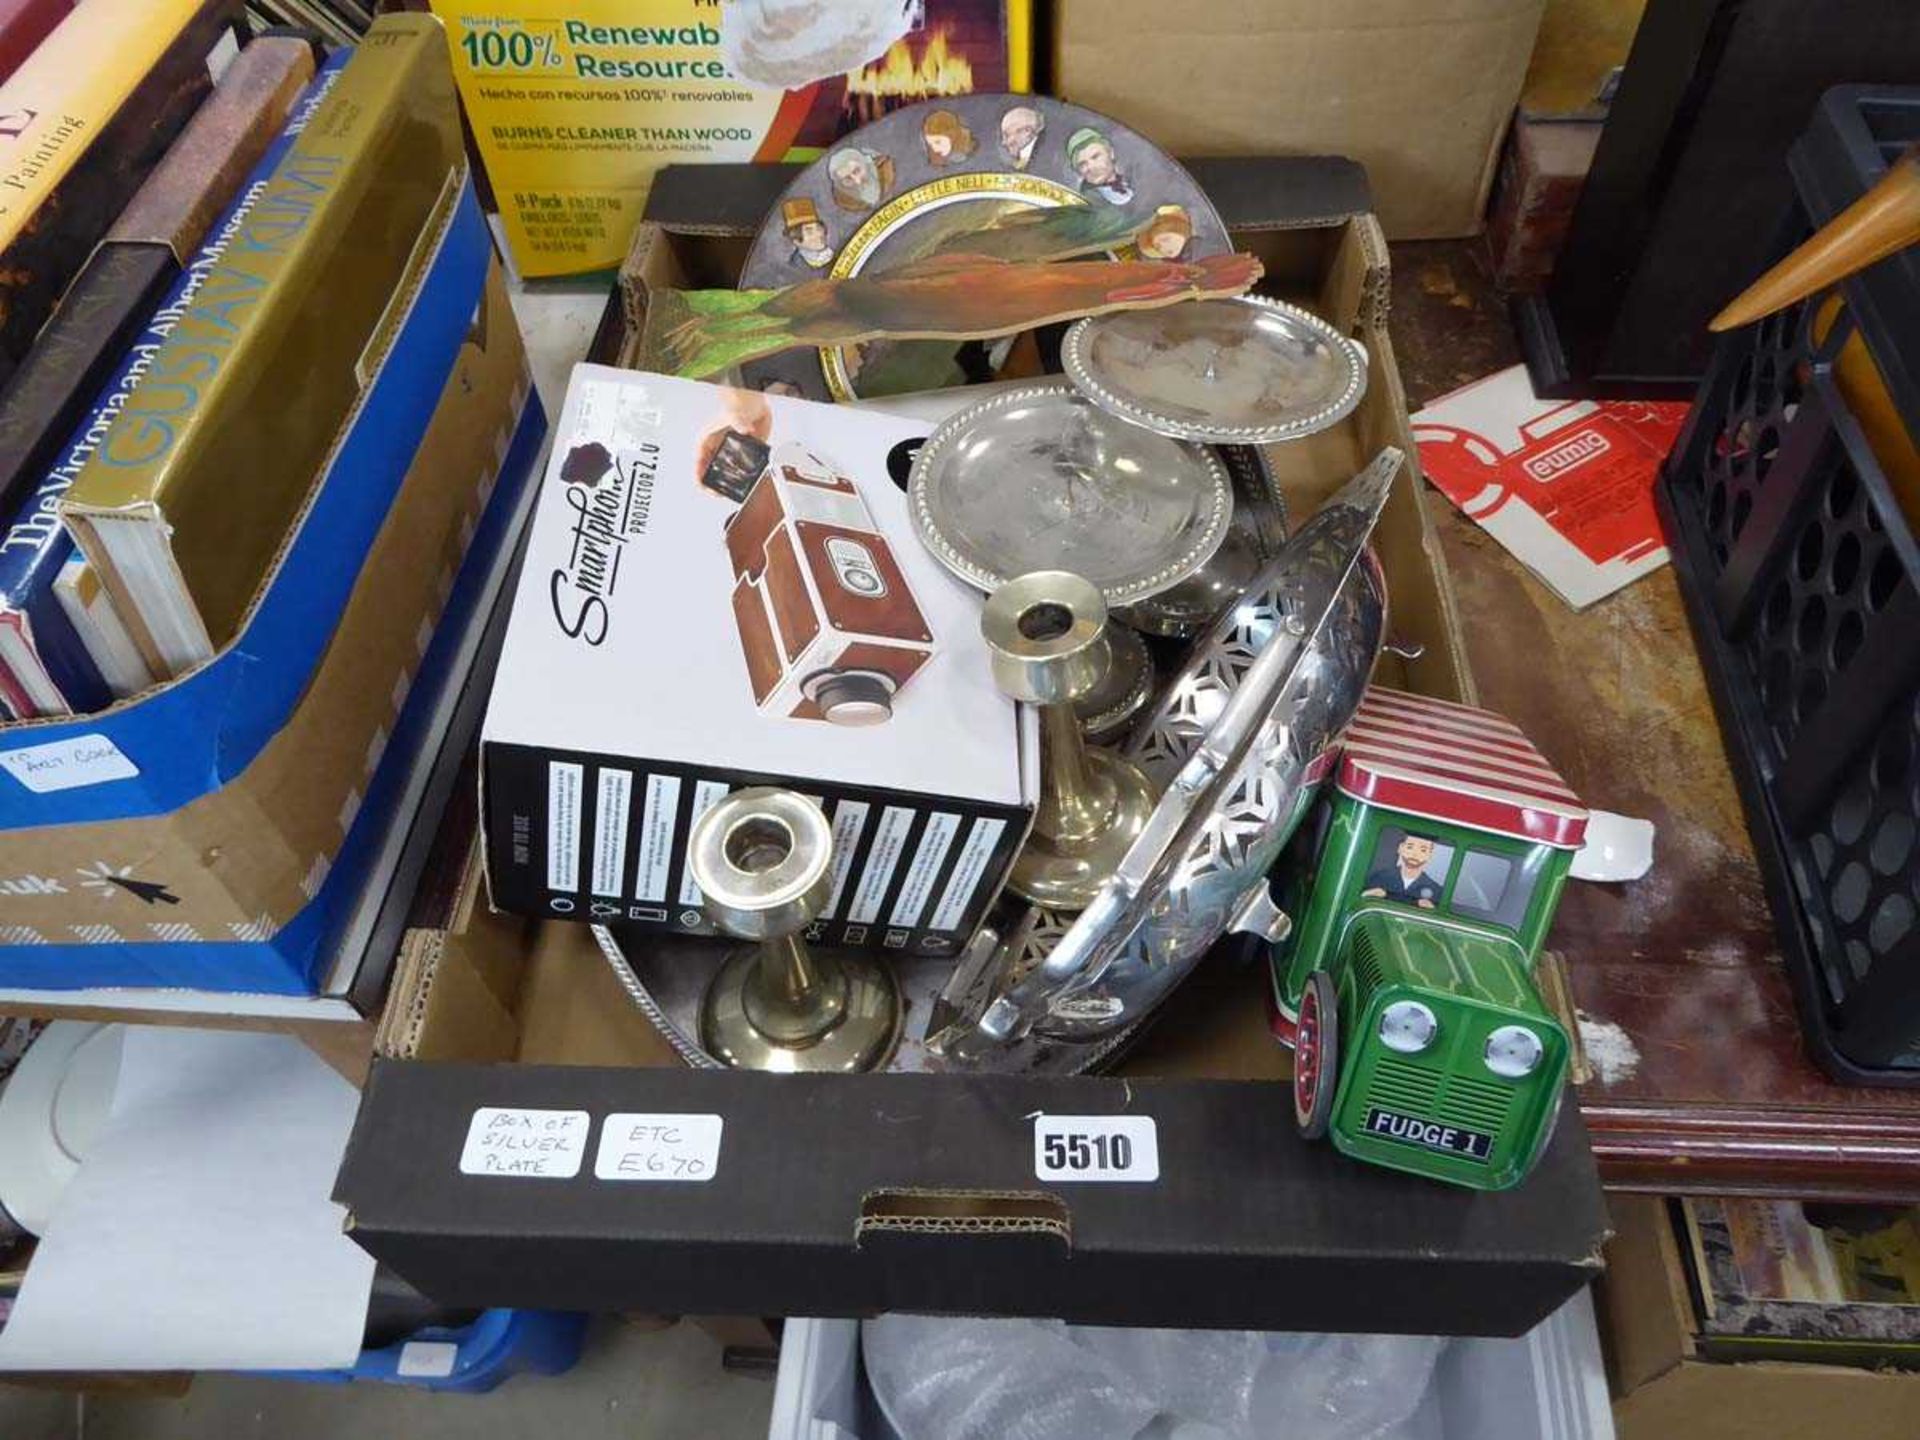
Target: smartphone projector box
[[723, 589]]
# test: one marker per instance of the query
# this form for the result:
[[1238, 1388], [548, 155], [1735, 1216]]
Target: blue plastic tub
[[470, 1359]]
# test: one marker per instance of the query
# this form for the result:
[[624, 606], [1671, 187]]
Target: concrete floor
[[633, 1384]]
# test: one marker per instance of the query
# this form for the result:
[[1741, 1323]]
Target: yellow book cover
[[189, 495], [574, 106], [68, 88]]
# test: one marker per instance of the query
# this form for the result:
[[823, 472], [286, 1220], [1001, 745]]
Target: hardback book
[[1793, 1280], [80, 348], [82, 123], [195, 484], [45, 668], [99, 629], [338, 22], [116, 290], [221, 144], [23, 25]]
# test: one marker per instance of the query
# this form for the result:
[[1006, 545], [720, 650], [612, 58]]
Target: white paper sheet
[[198, 1233]]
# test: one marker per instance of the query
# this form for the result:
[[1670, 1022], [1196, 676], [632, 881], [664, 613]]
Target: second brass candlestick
[[1047, 633]]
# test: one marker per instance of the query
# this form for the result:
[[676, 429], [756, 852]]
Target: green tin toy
[[1421, 888]]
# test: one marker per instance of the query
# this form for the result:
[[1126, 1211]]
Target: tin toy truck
[[1424, 883]]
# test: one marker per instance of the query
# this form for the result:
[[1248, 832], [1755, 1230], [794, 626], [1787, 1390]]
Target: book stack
[[261, 472], [62, 651], [339, 22]]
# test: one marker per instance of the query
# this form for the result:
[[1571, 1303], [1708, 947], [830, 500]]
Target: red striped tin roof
[[1457, 763]]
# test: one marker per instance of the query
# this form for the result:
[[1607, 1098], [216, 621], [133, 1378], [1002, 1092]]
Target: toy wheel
[[1316, 1055]]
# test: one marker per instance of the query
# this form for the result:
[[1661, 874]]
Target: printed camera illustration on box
[[828, 626]]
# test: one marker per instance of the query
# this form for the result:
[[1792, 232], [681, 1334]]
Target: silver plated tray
[[1108, 711], [666, 974], [1040, 478], [1239, 740], [1250, 371]]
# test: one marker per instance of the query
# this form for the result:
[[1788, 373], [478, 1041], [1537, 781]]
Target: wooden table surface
[[1701, 1082]]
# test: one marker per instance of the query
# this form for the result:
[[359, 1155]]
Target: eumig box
[[723, 589]]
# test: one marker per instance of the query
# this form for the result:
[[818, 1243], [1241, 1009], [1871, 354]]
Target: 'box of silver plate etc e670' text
[[722, 589]]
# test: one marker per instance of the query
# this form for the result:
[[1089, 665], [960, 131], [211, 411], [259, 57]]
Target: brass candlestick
[[1047, 632], [763, 858]]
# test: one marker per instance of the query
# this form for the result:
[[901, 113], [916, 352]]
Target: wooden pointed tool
[[1885, 219]]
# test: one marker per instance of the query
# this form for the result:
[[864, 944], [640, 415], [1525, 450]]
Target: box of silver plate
[[722, 589]]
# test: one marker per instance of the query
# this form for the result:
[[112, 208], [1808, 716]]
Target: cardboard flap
[[1265, 192], [1355, 293], [1417, 90], [1283, 192], [984, 1215], [1643, 1306], [453, 989]]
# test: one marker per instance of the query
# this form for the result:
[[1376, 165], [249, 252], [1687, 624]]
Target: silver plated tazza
[[1240, 741], [1107, 712], [1182, 611], [1258, 503], [1254, 536], [1040, 478], [1250, 371]]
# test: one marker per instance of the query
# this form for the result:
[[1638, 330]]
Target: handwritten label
[[68, 764], [659, 1147], [1096, 1147], [526, 1144]]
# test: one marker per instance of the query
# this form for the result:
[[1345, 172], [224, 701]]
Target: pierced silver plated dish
[[1239, 741]]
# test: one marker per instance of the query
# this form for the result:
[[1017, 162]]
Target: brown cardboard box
[[1418, 91], [845, 1195], [1663, 1390], [1582, 43], [243, 859], [1304, 218]]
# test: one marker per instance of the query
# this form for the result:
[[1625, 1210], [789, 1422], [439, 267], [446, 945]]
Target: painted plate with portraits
[[1013, 177]]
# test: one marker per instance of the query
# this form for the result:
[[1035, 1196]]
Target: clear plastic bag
[[948, 1379], [790, 43]]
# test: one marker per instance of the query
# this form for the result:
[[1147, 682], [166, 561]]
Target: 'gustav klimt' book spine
[[190, 494], [45, 668], [82, 123], [108, 303]]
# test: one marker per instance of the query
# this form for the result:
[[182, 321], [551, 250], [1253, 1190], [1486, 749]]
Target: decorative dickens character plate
[[964, 175]]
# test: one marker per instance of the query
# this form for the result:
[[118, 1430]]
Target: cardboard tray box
[[1662, 1388], [851, 1195], [214, 831]]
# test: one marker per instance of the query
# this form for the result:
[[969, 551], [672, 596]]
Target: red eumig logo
[[1575, 450]]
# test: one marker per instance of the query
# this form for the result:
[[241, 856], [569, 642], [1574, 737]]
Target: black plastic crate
[[1802, 583]]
